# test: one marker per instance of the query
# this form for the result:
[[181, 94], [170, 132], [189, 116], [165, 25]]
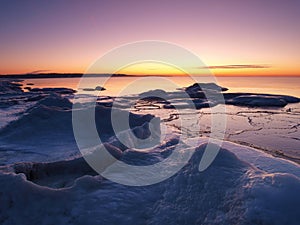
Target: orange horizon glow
[[169, 72], [146, 68], [81, 64]]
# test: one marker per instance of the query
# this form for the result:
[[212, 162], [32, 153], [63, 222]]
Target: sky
[[231, 37]]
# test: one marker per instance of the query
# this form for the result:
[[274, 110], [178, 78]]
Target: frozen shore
[[53, 184]]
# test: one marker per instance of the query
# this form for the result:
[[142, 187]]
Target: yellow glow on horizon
[[151, 68]]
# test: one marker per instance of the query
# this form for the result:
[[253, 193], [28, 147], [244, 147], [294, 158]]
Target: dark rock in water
[[88, 89], [290, 99], [205, 95], [55, 90], [28, 88], [156, 94], [99, 88], [259, 100], [198, 87]]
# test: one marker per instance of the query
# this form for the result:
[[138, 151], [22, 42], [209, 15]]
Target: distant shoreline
[[78, 75], [58, 75]]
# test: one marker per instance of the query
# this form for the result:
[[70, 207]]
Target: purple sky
[[66, 36]]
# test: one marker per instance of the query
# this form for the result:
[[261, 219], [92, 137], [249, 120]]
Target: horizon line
[[74, 75]]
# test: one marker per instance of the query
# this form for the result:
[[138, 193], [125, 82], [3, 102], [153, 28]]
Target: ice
[[10, 87], [45, 180], [230, 191], [40, 129]]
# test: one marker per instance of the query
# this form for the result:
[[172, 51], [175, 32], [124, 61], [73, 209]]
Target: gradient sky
[[232, 37]]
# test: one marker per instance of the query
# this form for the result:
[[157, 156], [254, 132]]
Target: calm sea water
[[133, 85]]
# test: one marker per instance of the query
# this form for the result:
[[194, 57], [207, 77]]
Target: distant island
[[57, 75]]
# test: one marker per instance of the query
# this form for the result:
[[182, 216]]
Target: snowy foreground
[[44, 179]]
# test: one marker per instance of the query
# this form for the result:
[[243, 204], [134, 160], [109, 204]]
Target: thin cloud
[[38, 71], [237, 66]]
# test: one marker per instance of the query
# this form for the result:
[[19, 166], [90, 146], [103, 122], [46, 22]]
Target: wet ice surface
[[264, 121], [39, 158], [270, 129]]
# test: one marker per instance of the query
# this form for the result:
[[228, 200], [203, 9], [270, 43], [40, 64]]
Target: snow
[[40, 130], [230, 191], [44, 179]]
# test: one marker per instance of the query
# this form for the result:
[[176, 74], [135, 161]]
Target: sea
[[118, 85]]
